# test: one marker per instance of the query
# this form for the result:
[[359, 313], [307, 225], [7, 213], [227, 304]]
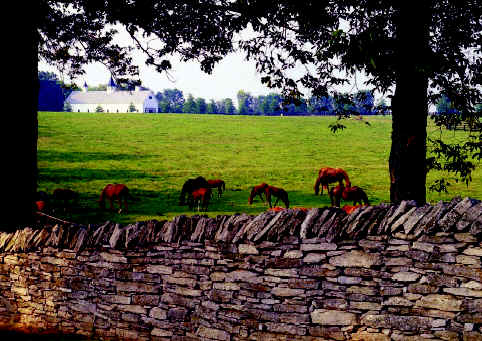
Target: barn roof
[[104, 97]]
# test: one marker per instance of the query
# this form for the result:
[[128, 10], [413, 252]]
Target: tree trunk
[[407, 161], [19, 136]]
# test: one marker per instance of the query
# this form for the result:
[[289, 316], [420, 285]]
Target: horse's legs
[[125, 204], [111, 201], [261, 197]]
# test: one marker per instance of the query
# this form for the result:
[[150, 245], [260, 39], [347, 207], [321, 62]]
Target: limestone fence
[[386, 272]]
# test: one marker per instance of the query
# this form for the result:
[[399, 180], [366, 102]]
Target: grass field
[[153, 154]]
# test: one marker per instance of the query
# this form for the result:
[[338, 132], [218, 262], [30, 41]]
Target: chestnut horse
[[219, 184], [113, 192], [200, 197], [257, 190], [190, 186], [354, 193], [328, 175], [279, 193]]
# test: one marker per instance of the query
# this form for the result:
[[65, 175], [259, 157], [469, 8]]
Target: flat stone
[[247, 249], [243, 275], [314, 257], [161, 332], [113, 258], [468, 260], [472, 285], [406, 276], [282, 272], [473, 251], [423, 246], [365, 305], [463, 292], [356, 259], [333, 317], [349, 280], [287, 292], [405, 323], [293, 254], [441, 302], [319, 247], [398, 301], [367, 336], [159, 269]]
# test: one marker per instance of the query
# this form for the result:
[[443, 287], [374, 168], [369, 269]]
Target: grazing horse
[[200, 197], [65, 197], [190, 186], [219, 184], [354, 193], [279, 193], [113, 192], [328, 175], [257, 190]]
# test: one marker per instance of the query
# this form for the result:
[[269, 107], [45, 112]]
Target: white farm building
[[113, 100]]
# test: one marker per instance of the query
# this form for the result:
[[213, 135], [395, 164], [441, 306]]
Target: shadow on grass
[[51, 156], [68, 175]]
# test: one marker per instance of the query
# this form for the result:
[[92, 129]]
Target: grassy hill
[[153, 154]]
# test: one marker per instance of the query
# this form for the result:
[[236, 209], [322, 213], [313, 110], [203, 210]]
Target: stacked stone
[[382, 273]]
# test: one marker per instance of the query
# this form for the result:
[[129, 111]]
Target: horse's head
[[251, 196], [102, 203]]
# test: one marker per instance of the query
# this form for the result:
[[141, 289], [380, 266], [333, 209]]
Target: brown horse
[[354, 193], [190, 186], [328, 175], [65, 197], [113, 192], [278, 193], [219, 184], [257, 190], [200, 197]]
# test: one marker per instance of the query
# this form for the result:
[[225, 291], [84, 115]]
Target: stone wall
[[381, 273]]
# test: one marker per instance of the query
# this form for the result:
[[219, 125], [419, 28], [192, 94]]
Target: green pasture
[[153, 154]]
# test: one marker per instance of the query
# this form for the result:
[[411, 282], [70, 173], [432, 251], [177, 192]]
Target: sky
[[232, 74]]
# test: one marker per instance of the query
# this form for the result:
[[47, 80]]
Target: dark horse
[[328, 175], [219, 184], [354, 193], [257, 190], [200, 197], [113, 192], [279, 193], [190, 186], [65, 197]]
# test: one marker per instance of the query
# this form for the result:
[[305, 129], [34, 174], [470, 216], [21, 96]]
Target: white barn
[[113, 100]]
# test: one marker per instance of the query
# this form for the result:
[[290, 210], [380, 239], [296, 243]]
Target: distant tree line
[[361, 103]]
